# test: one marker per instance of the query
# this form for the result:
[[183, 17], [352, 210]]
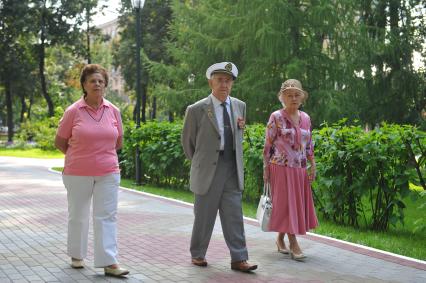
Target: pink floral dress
[[286, 151]]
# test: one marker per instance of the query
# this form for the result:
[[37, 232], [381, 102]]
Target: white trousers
[[104, 190]]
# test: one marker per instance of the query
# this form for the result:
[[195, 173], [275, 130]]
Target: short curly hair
[[91, 69]]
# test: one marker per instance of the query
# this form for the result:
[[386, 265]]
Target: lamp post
[[138, 5]]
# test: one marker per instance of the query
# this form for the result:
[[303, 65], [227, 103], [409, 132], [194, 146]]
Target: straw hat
[[292, 84]]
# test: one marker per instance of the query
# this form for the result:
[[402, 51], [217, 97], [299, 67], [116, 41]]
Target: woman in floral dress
[[288, 150]]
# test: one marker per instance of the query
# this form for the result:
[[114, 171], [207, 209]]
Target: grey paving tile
[[33, 278], [153, 237]]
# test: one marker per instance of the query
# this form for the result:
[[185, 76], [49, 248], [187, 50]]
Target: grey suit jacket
[[201, 142]]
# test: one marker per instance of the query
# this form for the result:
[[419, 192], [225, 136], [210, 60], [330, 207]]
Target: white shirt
[[218, 109]]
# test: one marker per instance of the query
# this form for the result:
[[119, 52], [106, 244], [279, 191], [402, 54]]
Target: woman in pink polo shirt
[[89, 134]]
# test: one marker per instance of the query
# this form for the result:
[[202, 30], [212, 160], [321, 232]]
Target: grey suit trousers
[[225, 196]]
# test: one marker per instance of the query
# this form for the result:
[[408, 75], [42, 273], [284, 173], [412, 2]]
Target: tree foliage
[[155, 17], [353, 57], [16, 62], [31, 31]]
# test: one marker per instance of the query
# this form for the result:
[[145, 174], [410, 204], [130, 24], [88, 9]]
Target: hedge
[[363, 176]]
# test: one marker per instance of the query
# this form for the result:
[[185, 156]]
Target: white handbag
[[264, 209]]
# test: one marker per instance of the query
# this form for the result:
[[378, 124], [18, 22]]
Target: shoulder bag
[[264, 209]]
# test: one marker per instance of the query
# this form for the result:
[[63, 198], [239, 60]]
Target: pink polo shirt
[[92, 138]]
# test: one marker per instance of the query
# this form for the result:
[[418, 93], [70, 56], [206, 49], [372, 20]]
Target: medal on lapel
[[209, 113]]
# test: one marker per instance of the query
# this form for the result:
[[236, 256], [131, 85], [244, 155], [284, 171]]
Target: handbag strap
[[267, 190]]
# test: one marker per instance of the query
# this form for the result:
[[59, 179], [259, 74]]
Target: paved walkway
[[154, 238]]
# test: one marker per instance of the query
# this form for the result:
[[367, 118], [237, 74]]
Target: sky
[[109, 13]]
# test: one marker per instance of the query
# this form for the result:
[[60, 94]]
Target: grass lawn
[[30, 153], [400, 239]]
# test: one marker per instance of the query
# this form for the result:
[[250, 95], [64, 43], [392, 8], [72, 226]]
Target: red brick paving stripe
[[356, 248]]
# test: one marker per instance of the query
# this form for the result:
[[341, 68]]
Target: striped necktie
[[227, 133]]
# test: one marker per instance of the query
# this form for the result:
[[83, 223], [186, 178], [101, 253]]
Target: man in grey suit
[[212, 139]]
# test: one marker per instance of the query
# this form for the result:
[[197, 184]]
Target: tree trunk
[[30, 106], [171, 117], [88, 34], [294, 31], [46, 96], [154, 108], [368, 20], [135, 113], [9, 110], [394, 28], [23, 108]]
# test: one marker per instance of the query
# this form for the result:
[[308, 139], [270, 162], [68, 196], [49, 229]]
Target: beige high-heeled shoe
[[282, 250], [297, 257]]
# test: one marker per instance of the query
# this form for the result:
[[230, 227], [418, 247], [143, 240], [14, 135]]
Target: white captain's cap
[[222, 67]]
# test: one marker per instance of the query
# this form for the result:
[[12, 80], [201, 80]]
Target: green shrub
[[253, 161], [363, 175], [164, 163], [42, 132], [127, 154], [420, 223], [161, 154]]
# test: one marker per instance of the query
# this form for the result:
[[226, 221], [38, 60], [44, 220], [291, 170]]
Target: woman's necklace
[[103, 110]]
